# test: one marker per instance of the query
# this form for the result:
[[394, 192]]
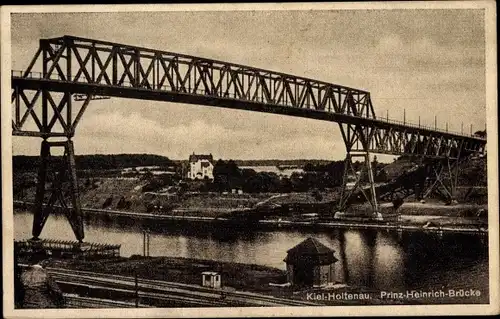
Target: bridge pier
[[443, 179], [64, 183], [348, 191]]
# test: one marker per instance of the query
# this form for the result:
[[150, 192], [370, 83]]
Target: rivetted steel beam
[[199, 99], [131, 48], [126, 71]]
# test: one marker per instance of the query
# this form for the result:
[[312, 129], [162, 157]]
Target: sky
[[423, 62]]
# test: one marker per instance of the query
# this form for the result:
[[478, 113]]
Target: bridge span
[[67, 72]]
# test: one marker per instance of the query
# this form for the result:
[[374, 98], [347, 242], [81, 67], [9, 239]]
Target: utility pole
[[404, 116], [145, 243], [136, 290]]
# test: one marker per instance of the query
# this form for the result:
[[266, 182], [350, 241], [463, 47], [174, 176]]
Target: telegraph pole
[[136, 290], [145, 243]]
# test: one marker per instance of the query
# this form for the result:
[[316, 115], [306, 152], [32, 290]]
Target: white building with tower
[[200, 167]]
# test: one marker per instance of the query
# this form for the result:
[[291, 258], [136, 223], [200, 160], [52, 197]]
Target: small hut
[[310, 263], [211, 279]]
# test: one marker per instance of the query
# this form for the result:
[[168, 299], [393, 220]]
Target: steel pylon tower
[[357, 142], [64, 184]]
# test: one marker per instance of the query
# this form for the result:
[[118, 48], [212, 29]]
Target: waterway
[[273, 169], [380, 260]]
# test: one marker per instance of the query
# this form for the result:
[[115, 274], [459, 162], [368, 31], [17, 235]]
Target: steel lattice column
[[357, 138], [348, 191], [64, 183], [443, 178]]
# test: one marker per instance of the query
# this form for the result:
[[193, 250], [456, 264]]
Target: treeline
[[277, 162], [227, 176], [272, 162], [97, 162]]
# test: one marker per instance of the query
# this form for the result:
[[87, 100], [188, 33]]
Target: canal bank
[[248, 218], [376, 259]]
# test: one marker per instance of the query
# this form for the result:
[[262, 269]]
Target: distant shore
[[411, 217]]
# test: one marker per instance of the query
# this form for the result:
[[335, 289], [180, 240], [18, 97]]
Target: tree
[[381, 177], [480, 133], [227, 175]]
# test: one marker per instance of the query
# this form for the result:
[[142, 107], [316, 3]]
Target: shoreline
[[394, 225], [250, 284]]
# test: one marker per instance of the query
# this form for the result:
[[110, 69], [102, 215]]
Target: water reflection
[[378, 259]]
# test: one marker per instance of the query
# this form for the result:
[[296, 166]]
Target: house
[[310, 264], [211, 279], [200, 167]]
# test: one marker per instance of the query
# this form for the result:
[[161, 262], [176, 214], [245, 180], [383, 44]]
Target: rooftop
[[310, 251], [198, 157]]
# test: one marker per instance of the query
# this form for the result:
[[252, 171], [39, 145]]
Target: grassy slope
[[245, 277]]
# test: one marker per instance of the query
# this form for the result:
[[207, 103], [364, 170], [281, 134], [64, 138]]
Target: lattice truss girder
[[77, 60], [45, 113], [116, 64], [76, 70], [92, 66], [411, 142]]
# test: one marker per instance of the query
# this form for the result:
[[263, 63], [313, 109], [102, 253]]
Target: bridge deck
[[227, 102], [74, 65]]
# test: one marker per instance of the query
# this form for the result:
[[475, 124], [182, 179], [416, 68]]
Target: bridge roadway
[[382, 127], [167, 292], [166, 95], [73, 65]]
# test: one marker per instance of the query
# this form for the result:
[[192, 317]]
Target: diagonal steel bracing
[[63, 184], [442, 178], [50, 97], [86, 66]]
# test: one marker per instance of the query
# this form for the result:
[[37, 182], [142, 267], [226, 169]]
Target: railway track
[[75, 301], [163, 291]]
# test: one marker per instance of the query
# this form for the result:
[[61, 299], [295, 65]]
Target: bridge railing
[[433, 128], [54, 76]]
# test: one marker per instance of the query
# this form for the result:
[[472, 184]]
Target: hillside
[[102, 185], [97, 161]]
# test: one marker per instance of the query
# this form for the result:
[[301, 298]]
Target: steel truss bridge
[[72, 71]]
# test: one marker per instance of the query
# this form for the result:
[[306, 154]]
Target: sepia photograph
[[253, 159]]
